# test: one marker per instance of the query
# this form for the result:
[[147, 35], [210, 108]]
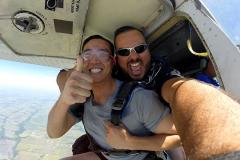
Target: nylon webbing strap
[[121, 100], [77, 110]]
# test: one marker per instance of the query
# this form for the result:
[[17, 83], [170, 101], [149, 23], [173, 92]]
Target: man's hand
[[76, 90], [78, 86], [117, 136]]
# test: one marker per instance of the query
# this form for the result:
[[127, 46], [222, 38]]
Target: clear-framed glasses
[[102, 54], [138, 49]]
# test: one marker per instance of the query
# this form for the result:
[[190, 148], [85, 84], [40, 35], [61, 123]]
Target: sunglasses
[[101, 54], [138, 49]]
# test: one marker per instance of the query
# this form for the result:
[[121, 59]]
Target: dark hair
[[125, 29], [99, 37]]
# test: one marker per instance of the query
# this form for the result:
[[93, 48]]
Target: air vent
[[28, 22]]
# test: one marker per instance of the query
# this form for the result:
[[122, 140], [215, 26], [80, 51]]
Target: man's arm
[[76, 90], [206, 119], [119, 138], [59, 120], [58, 117], [148, 109], [62, 78], [166, 126], [158, 142]]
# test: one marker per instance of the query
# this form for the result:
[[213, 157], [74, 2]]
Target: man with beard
[[194, 104]]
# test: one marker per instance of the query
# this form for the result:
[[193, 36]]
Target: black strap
[[77, 110], [118, 105], [121, 100], [153, 156]]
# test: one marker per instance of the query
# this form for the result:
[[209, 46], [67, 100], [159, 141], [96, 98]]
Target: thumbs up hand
[[78, 86]]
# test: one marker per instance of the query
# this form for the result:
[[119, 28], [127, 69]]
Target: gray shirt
[[141, 116]]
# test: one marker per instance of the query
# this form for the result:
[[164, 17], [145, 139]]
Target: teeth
[[95, 70], [135, 64]]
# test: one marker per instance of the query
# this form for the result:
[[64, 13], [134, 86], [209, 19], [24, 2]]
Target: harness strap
[[77, 110], [121, 101], [153, 156]]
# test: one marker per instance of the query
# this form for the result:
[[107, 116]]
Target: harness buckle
[[118, 104]]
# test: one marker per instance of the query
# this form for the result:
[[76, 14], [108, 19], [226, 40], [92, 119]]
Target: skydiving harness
[[118, 105], [122, 99]]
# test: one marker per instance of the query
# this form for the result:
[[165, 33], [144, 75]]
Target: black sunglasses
[[138, 49]]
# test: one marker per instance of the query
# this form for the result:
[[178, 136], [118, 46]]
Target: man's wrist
[[62, 103], [131, 142]]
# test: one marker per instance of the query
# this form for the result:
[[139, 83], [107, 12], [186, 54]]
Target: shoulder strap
[[77, 110], [121, 101]]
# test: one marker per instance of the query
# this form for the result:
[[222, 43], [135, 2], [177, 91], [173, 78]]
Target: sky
[[39, 77], [227, 14], [15, 74]]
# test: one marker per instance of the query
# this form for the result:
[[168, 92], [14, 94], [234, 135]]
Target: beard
[[120, 74]]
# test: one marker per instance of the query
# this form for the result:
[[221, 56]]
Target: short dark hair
[[99, 37], [126, 29]]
